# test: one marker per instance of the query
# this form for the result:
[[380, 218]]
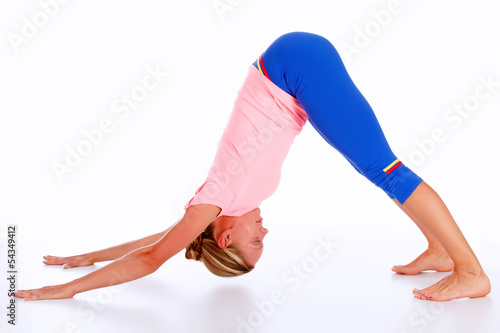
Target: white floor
[[299, 285]]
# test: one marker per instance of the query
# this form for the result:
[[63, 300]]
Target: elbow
[[150, 262]]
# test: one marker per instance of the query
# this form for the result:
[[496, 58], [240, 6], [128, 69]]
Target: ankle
[[436, 249], [474, 269]]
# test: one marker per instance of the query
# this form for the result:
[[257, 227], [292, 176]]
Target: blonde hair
[[221, 262]]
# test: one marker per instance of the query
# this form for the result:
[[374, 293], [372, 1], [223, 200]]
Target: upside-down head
[[230, 245]]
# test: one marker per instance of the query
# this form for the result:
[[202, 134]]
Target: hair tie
[[197, 246]]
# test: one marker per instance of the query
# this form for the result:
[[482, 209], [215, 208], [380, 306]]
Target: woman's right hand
[[69, 262]]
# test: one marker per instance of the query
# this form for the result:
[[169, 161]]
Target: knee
[[396, 179]]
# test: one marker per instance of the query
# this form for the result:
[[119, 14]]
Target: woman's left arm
[[136, 264]]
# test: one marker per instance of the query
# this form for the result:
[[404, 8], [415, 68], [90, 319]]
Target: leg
[[468, 278], [313, 72], [433, 243], [434, 258]]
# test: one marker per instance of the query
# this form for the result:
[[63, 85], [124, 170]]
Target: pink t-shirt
[[247, 166]]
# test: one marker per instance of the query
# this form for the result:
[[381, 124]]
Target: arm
[[118, 251], [110, 253], [138, 263]]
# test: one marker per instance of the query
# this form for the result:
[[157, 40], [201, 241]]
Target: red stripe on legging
[[393, 168], [262, 66]]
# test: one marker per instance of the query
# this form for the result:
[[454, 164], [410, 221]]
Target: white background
[[413, 66]]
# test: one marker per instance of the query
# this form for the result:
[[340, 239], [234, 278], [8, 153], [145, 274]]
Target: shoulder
[[205, 210]]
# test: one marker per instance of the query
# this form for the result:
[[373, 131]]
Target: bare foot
[[458, 284], [429, 260]]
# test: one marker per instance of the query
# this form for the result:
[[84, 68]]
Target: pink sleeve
[[205, 194]]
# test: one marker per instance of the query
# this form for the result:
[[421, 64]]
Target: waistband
[[260, 66], [284, 100]]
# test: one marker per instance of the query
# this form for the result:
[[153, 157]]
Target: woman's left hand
[[59, 291]]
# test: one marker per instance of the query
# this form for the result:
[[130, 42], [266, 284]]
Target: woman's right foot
[[429, 260]]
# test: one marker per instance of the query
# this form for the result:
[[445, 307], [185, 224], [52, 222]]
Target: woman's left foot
[[458, 284], [429, 260]]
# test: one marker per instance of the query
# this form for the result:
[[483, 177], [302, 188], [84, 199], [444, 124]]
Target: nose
[[264, 230]]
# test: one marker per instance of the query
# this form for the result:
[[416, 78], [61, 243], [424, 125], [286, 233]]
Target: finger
[[74, 263], [55, 261], [71, 265], [22, 293], [79, 263], [33, 294], [52, 257], [32, 298]]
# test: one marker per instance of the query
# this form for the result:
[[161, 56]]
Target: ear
[[224, 239]]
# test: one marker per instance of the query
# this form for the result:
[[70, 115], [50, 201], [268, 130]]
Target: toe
[[398, 269], [417, 293], [437, 296], [405, 269], [423, 291], [420, 296]]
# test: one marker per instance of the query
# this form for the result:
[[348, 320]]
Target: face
[[245, 232]]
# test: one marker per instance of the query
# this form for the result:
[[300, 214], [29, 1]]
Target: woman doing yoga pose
[[299, 77]]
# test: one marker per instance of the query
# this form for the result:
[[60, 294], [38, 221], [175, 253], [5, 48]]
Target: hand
[[59, 291], [68, 262]]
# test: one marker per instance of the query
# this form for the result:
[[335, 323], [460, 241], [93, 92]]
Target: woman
[[299, 77]]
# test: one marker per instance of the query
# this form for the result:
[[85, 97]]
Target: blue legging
[[308, 67]]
